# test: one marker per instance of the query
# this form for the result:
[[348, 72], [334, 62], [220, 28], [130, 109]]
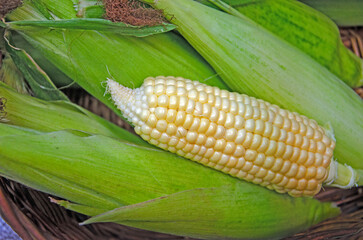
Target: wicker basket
[[31, 214]]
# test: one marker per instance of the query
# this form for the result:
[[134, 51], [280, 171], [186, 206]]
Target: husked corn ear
[[240, 135]]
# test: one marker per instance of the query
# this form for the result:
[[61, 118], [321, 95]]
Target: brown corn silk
[[133, 13], [8, 5]]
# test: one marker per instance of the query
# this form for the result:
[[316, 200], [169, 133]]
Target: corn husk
[[33, 113], [344, 13], [84, 56], [305, 28], [39, 82], [7, 130], [300, 25], [55, 74], [100, 25], [279, 73], [203, 218], [10, 75], [97, 174]]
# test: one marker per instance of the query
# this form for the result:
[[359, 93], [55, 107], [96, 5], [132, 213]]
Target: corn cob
[[240, 135], [233, 47]]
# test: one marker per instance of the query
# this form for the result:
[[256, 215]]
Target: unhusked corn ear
[[240, 135]]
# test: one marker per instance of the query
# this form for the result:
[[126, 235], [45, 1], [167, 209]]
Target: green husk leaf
[[57, 76], [204, 215], [40, 84], [99, 172], [100, 25], [43, 9], [346, 177], [360, 180], [303, 27], [6, 130], [46, 180], [94, 12], [11, 75], [30, 112], [344, 13], [78, 208], [253, 61], [84, 56], [57, 9]]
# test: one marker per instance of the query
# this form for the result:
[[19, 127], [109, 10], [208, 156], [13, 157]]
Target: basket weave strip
[[353, 39], [19, 222]]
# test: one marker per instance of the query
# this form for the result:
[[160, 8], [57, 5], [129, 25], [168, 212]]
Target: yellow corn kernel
[[245, 137]]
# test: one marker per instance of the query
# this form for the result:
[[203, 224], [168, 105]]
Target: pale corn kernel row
[[239, 135]]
